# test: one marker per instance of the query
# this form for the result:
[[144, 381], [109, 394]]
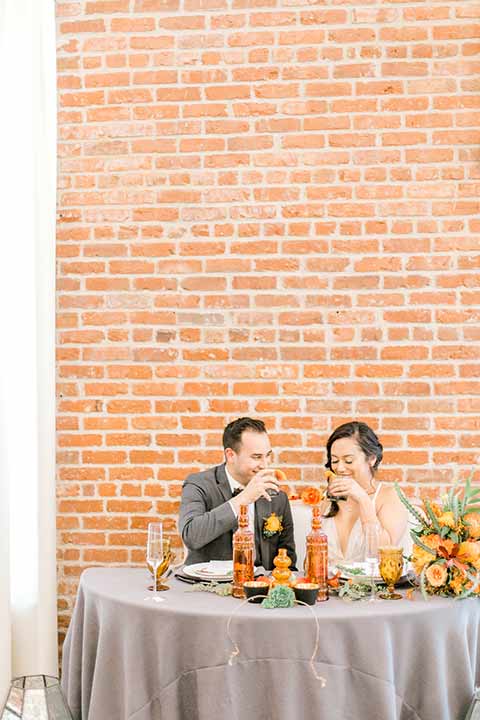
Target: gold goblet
[[390, 566], [165, 559]]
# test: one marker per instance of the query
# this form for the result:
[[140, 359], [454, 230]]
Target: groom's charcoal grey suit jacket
[[207, 521]]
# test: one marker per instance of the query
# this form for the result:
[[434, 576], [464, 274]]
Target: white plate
[[362, 576], [213, 570]]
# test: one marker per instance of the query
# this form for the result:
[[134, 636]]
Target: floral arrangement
[[272, 525], [446, 550], [310, 496]]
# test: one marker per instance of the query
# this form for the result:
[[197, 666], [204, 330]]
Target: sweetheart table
[[128, 658]]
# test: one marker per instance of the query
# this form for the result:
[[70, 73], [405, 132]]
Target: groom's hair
[[232, 435]]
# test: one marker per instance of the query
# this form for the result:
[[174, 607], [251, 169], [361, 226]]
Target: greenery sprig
[[411, 509], [352, 591], [222, 589], [351, 570]]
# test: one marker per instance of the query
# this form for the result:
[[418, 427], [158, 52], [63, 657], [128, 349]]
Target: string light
[[236, 650]]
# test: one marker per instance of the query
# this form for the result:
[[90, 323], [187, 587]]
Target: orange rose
[[472, 522], [334, 582], [436, 575], [431, 541], [421, 557], [312, 496], [469, 552], [264, 578]]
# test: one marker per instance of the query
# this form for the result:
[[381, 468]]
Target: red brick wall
[[266, 209]]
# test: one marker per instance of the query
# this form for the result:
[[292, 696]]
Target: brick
[[106, 7], [154, 423], [129, 439], [449, 32], [78, 440], [132, 24], [80, 506], [105, 423], [82, 336], [82, 99], [193, 22], [104, 556], [83, 538], [100, 457], [81, 26], [379, 87], [81, 474], [404, 69], [406, 457]]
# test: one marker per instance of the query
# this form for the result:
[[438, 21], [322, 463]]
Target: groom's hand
[[257, 487]]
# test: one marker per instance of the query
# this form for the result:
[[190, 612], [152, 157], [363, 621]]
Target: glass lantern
[[473, 712], [36, 697]]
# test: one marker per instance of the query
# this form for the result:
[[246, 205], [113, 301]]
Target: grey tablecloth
[[129, 659]]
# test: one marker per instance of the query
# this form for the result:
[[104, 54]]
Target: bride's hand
[[345, 485]]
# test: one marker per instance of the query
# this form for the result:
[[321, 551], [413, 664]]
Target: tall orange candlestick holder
[[316, 557], [243, 547]]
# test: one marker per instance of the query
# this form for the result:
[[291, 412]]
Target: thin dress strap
[[376, 494]]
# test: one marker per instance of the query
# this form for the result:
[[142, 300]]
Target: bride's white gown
[[355, 552]]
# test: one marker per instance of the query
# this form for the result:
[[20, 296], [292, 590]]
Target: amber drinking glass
[[390, 566]]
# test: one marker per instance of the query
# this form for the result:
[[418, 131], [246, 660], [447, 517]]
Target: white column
[[27, 301]]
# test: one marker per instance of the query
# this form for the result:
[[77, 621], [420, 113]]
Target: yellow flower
[[272, 525], [436, 508], [472, 521], [421, 557], [469, 552], [436, 575], [457, 583], [446, 519]]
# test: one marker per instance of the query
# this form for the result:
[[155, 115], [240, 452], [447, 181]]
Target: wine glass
[[390, 566], [159, 555], [371, 554]]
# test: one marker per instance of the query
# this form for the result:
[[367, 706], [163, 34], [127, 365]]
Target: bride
[[355, 499]]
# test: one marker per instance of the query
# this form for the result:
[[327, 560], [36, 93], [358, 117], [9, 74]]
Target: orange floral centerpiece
[[310, 496], [446, 550]]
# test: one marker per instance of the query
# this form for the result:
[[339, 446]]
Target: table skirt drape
[[129, 659]]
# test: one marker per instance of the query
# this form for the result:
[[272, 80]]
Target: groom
[[211, 500]]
